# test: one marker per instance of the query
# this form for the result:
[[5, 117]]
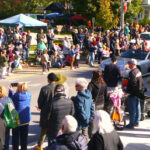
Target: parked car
[[142, 57]]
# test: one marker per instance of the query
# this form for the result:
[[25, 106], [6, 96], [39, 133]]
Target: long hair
[[97, 77], [3, 92], [102, 122]]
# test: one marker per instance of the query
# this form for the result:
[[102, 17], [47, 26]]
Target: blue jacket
[[22, 101], [3, 101], [84, 108]]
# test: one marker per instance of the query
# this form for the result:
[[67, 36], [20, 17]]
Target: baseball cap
[[59, 88], [132, 61]]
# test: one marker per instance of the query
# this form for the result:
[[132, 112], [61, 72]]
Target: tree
[[134, 8], [14, 7], [105, 17]]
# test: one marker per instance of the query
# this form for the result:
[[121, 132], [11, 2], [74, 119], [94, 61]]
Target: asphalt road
[[138, 139]]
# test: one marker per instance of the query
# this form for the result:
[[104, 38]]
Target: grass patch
[[32, 57], [33, 47]]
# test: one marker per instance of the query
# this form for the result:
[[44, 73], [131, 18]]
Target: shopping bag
[[116, 115], [11, 116]]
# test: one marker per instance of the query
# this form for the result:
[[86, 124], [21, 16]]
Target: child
[[44, 61], [72, 55], [3, 64], [10, 56], [77, 56], [105, 53]]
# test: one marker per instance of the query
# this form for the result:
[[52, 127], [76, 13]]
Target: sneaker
[[43, 72], [129, 126], [72, 69], [38, 147]]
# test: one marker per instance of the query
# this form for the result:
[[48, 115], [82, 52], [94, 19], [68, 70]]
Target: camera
[[14, 84]]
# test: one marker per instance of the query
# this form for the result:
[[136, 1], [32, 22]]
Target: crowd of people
[[77, 122], [15, 46]]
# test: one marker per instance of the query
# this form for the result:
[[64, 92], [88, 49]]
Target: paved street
[[138, 139]]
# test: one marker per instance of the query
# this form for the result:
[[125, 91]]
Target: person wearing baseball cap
[[135, 88]]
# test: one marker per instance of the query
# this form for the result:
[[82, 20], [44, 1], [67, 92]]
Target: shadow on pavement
[[83, 74], [35, 113], [137, 146], [33, 133], [135, 135]]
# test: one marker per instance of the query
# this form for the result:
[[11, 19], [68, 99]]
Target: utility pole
[[122, 15]]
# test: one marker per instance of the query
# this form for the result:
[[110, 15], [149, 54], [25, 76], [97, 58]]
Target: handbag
[[11, 116], [116, 115]]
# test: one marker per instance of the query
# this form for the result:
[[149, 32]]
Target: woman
[[21, 100], [4, 132], [3, 64], [72, 55], [104, 135], [41, 46], [98, 89]]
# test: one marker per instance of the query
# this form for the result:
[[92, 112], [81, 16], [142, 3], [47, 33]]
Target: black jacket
[[59, 108], [75, 38], [99, 92], [112, 75], [107, 141], [45, 97], [135, 83], [70, 141]]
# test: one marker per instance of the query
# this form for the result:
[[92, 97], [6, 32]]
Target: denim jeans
[[92, 57], [3, 71], [25, 53], [134, 110], [20, 134]]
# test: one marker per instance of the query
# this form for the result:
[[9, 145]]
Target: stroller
[[117, 112], [145, 107]]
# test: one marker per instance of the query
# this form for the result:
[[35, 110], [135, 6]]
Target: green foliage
[[105, 17], [144, 21], [14, 7], [134, 8]]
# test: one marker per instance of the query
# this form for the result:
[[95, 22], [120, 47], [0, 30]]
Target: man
[[3, 38], [59, 108], [84, 108], [40, 36], [70, 139], [66, 46], [136, 90], [27, 46], [112, 74], [45, 98], [81, 37]]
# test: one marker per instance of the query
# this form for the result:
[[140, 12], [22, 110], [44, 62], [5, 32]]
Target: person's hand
[[10, 88]]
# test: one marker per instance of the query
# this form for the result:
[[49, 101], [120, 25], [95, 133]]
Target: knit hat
[[52, 77]]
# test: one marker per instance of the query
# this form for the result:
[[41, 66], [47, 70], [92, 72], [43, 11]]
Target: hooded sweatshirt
[[84, 108], [99, 92]]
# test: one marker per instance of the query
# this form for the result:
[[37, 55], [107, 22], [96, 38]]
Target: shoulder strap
[[2, 105]]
